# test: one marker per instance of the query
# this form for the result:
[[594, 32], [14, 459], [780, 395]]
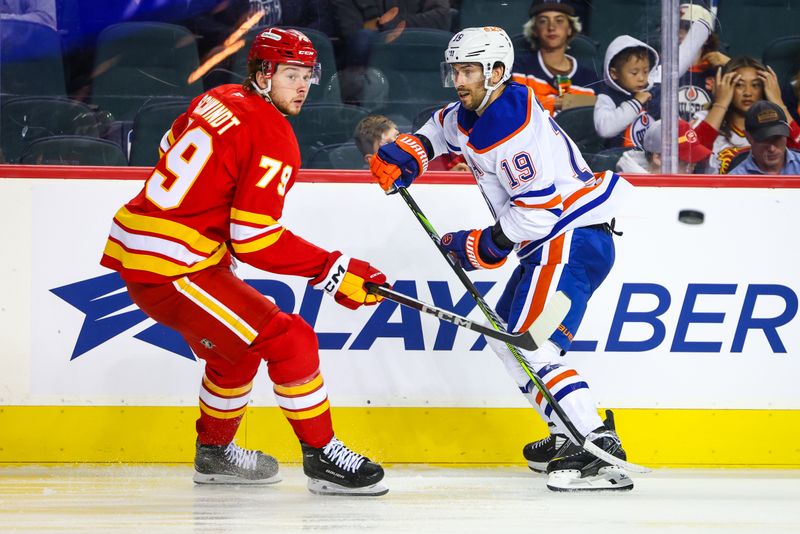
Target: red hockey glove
[[475, 249], [344, 280], [398, 164]]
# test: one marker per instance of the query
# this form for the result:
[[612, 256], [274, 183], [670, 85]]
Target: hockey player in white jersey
[[551, 209]]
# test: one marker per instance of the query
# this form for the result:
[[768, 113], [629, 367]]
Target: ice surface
[[422, 499]]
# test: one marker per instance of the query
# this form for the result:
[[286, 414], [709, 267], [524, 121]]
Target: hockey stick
[[540, 337], [524, 340]]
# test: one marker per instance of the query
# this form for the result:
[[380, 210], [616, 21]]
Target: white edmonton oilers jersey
[[532, 175]]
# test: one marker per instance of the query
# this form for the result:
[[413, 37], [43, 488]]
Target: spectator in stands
[[360, 21], [696, 85], [556, 77], [272, 11], [790, 92], [374, 131], [630, 98], [354, 16], [767, 129], [314, 14], [648, 161], [740, 84], [214, 24], [41, 11]]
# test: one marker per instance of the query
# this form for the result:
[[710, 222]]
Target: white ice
[[150, 499]]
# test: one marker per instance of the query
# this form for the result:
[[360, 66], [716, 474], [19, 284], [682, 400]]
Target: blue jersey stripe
[[533, 245], [550, 190], [563, 393]]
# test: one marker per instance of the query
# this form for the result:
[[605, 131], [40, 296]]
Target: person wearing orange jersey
[[546, 66], [218, 193]]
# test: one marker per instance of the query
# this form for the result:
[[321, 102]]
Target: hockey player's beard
[[286, 108], [290, 107], [468, 98]]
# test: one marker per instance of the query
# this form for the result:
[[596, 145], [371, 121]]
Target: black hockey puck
[[691, 217]]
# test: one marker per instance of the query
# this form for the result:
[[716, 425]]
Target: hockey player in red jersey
[[217, 192]]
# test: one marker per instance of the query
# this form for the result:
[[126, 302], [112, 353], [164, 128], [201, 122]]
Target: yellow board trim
[[258, 244], [300, 389], [245, 330], [307, 414], [174, 230], [250, 217], [166, 434], [226, 392], [153, 264]]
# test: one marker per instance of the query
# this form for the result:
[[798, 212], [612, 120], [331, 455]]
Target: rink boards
[[694, 338]]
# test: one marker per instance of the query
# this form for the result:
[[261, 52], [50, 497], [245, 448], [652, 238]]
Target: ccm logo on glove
[[344, 280]]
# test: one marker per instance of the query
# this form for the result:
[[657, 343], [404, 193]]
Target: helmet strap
[[264, 93], [489, 90]]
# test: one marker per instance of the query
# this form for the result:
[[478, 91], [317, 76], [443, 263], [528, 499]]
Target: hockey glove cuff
[[398, 164], [476, 249], [344, 280]]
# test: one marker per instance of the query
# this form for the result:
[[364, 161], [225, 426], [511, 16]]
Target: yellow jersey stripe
[[302, 389], [250, 217], [222, 415], [172, 229], [218, 310], [307, 414], [154, 264], [226, 392], [257, 244]]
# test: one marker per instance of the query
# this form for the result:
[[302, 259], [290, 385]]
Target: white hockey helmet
[[487, 46]]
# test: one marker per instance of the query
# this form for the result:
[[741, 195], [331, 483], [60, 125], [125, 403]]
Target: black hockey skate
[[336, 470], [539, 453], [231, 464], [574, 469]]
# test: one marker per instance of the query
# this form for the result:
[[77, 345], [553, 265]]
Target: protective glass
[[314, 76], [466, 74]]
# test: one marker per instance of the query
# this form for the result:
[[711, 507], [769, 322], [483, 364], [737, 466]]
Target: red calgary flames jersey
[[227, 164]]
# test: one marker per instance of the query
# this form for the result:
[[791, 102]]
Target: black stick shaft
[[524, 340], [491, 315]]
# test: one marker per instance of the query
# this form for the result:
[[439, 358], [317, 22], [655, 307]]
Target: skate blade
[[202, 478], [610, 478], [323, 487], [538, 467]]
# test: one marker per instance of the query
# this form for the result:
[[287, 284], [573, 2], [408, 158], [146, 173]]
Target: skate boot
[[231, 464], [574, 469], [336, 470], [539, 453]]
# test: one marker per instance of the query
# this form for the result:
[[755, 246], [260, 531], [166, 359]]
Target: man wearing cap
[[767, 130], [557, 79], [690, 152]]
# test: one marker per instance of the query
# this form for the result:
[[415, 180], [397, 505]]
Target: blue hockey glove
[[475, 249], [398, 164]]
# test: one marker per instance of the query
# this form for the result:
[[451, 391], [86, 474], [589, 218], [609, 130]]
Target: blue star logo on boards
[[109, 312]]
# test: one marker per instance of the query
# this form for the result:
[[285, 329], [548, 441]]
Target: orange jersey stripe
[[558, 378]]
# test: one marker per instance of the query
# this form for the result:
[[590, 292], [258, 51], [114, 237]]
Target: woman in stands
[[556, 77], [740, 84]]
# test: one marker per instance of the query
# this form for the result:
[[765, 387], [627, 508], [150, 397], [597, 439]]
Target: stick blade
[[613, 460], [550, 319]]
